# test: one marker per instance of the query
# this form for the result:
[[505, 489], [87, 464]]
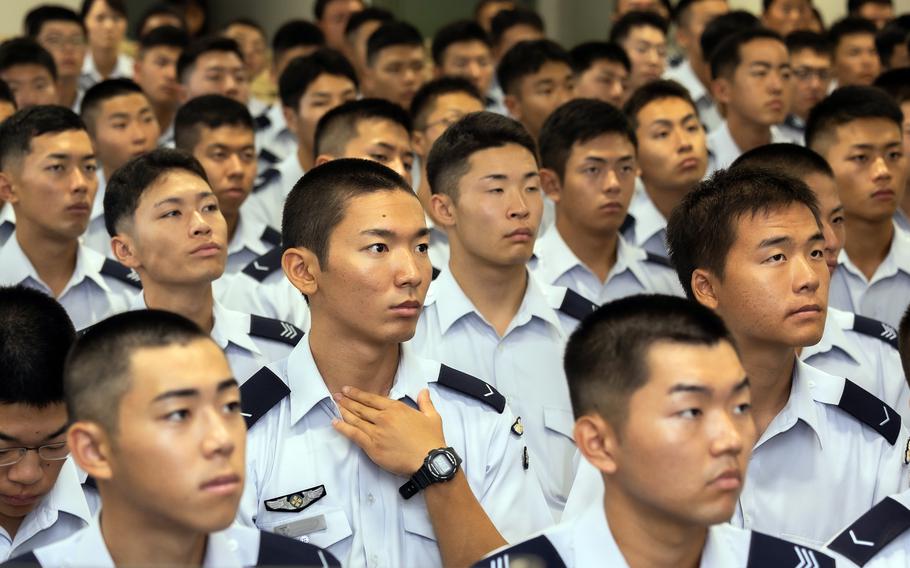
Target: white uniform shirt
[[7, 222], [901, 220], [96, 236], [871, 362], [707, 108], [525, 365], [267, 199], [360, 516], [88, 297], [724, 150], [90, 74], [881, 537], [252, 238], [261, 288], [276, 140], [886, 295], [635, 272], [62, 512], [439, 245], [648, 227]]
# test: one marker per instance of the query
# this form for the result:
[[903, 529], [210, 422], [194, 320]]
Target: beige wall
[[12, 13]]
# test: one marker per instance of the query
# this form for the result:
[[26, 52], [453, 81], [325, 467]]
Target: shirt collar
[[801, 404], [308, 388], [591, 534], [290, 169], [98, 204], [834, 336], [684, 74], [7, 215], [413, 374], [18, 267], [722, 544], [67, 494], [649, 221], [248, 235], [556, 258], [898, 257]]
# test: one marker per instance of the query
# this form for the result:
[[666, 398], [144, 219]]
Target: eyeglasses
[[47, 452], [806, 73]]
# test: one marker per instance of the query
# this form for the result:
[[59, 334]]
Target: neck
[[53, 258], [68, 90], [165, 116], [703, 72], [11, 525], [134, 539], [665, 199], [305, 157], [647, 538], [105, 61], [423, 190], [597, 251], [369, 366], [233, 219], [194, 302], [770, 371], [868, 243], [746, 133], [496, 291]]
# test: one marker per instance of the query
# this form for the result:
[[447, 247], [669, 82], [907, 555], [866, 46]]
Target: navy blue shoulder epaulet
[[265, 178], [575, 305], [870, 410], [264, 265], [26, 560], [874, 328], [627, 224], [90, 482], [275, 329], [116, 270], [658, 259], [262, 121], [538, 551], [260, 393], [872, 532], [471, 386], [277, 550], [765, 550], [268, 156], [271, 236], [436, 273]]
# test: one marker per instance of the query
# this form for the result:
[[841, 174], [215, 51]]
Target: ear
[[301, 267], [721, 90], [704, 288], [125, 251], [7, 193], [419, 142], [597, 442], [290, 118], [91, 449], [513, 106], [323, 159], [442, 210], [551, 185]]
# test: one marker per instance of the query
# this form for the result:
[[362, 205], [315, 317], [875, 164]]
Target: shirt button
[[370, 498]]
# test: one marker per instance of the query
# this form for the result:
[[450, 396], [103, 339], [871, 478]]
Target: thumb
[[424, 404]]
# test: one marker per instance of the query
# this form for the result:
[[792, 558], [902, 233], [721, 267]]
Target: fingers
[[425, 404], [366, 398], [352, 419], [353, 434], [359, 410]]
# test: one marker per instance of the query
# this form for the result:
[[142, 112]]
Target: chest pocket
[[416, 519], [559, 420], [322, 526]]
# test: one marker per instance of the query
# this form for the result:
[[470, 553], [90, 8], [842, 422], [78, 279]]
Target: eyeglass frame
[[23, 451]]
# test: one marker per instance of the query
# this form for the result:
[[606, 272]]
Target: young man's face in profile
[[396, 73], [647, 50], [228, 155], [811, 78], [156, 72], [470, 59], [832, 216]]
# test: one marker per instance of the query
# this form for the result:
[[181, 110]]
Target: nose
[[234, 165], [611, 182], [518, 206], [409, 264], [726, 435], [806, 273], [830, 238], [398, 166], [231, 86], [564, 95], [198, 225], [28, 471], [880, 169], [217, 436]]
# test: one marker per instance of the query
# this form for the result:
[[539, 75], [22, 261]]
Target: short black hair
[[886, 40], [606, 358], [702, 228], [35, 335], [118, 6], [97, 371], [785, 158], [26, 51], [17, 131], [896, 83], [654, 91], [318, 202], [728, 54], [636, 19], [722, 26], [247, 23], [680, 12], [131, 180], [301, 72], [391, 34], [577, 122], [449, 159], [851, 25], [6, 94], [164, 36], [526, 58], [368, 14], [804, 39], [319, 8], [904, 343], [208, 111], [200, 47], [425, 98], [846, 105], [853, 6], [338, 126], [504, 20], [460, 31], [101, 92], [586, 54], [481, 4], [296, 33], [43, 14], [158, 9]]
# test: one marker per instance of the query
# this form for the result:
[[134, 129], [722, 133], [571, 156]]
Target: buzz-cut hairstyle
[[846, 105], [392, 34], [681, 12], [37, 17], [585, 55], [722, 26], [365, 16], [461, 31], [208, 111], [785, 158], [853, 6], [607, 358], [504, 20], [320, 6], [118, 6], [888, 39], [302, 72], [246, 23], [526, 58], [426, 96], [339, 126], [658, 90], [100, 93], [155, 10], [896, 83], [904, 343], [319, 200], [163, 36], [296, 33], [6, 94], [851, 25], [802, 40], [634, 20], [18, 131], [481, 4], [125, 187], [449, 159], [99, 368], [728, 55], [576, 122], [26, 51], [189, 56], [702, 228], [35, 335]]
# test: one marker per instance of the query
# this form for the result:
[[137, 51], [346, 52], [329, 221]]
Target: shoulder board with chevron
[[766, 550], [264, 265], [575, 305], [877, 329], [260, 393], [872, 532], [870, 410], [265, 178], [537, 551], [275, 329], [116, 270], [471, 386]]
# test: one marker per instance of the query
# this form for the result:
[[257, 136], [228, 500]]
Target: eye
[[233, 407], [779, 257], [423, 248], [210, 208], [690, 413], [591, 170], [817, 253], [381, 158], [172, 213], [495, 190], [56, 168], [895, 155], [744, 408], [837, 220], [177, 416], [91, 168], [378, 248], [859, 158]]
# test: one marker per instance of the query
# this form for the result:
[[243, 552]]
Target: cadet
[[48, 174], [751, 78], [485, 314], [858, 131], [810, 62], [30, 72], [155, 71], [897, 84], [589, 165], [880, 538], [41, 500], [395, 63], [61, 32], [157, 425], [121, 123], [785, 16], [213, 66], [463, 49], [853, 346], [856, 60], [358, 30], [601, 72], [513, 25], [165, 224], [7, 217], [332, 17], [673, 157], [335, 432], [663, 418], [219, 132], [644, 37]]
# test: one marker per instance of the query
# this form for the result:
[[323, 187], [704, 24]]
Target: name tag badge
[[297, 529]]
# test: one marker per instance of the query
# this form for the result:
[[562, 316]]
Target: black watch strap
[[420, 480]]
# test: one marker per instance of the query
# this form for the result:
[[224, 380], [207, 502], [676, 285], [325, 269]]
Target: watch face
[[442, 465]]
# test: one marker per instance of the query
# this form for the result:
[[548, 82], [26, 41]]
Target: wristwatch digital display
[[440, 465]]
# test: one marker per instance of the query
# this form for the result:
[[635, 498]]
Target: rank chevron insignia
[[288, 330]]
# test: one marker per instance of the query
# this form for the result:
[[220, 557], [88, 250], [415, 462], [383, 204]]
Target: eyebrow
[[389, 234], [184, 393], [500, 177], [668, 122], [599, 160], [62, 156], [200, 195], [7, 438], [703, 390], [873, 146]]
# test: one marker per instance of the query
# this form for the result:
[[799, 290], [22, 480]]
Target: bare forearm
[[463, 530]]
